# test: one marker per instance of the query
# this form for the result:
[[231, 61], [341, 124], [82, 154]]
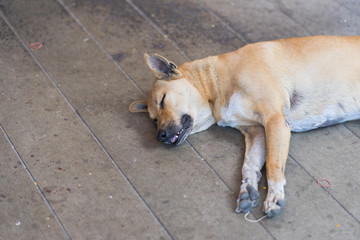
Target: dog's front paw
[[247, 199], [275, 199]]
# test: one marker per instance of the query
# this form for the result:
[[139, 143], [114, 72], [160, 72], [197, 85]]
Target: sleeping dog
[[265, 90]]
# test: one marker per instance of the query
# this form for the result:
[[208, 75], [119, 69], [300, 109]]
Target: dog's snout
[[162, 135]]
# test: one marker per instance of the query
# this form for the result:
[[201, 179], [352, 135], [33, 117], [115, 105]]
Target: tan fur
[[304, 81]]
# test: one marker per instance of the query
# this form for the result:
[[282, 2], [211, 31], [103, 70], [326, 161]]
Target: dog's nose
[[162, 135]]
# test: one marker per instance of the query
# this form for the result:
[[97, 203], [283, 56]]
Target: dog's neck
[[204, 76]]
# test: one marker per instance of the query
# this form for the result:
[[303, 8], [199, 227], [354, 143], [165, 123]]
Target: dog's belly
[[326, 118], [304, 118], [319, 108]]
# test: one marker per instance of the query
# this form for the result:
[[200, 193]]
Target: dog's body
[[265, 90]]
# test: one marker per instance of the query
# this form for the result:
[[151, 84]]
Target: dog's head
[[173, 103]]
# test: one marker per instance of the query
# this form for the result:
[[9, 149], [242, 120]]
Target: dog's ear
[[161, 67], [138, 106]]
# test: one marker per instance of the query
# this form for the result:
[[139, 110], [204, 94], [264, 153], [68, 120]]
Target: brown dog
[[265, 90]]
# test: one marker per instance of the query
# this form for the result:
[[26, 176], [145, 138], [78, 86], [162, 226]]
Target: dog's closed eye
[[162, 101]]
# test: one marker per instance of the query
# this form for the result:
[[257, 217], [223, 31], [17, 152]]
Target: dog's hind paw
[[247, 200]]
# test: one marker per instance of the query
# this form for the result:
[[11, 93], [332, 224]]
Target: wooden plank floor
[[75, 164]]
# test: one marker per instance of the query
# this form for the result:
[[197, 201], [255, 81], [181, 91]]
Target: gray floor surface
[[76, 164]]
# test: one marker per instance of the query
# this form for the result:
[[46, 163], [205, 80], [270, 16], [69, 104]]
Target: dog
[[265, 90]]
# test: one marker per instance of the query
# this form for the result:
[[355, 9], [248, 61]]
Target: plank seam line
[[141, 13], [325, 189], [291, 18], [356, 135], [209, 166], [348, 8], [87, 127], [124, 176], [225, 23], [100, 46], [223, 181], [35, 182]]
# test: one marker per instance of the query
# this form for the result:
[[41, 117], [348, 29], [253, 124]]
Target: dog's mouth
[[180, 136]]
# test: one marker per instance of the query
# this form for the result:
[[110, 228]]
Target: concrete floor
[[75, 164]]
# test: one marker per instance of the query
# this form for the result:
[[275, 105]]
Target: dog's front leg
[[253, 162], [277, 134]]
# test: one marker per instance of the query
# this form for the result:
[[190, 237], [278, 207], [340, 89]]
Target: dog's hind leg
[[253, 162]]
